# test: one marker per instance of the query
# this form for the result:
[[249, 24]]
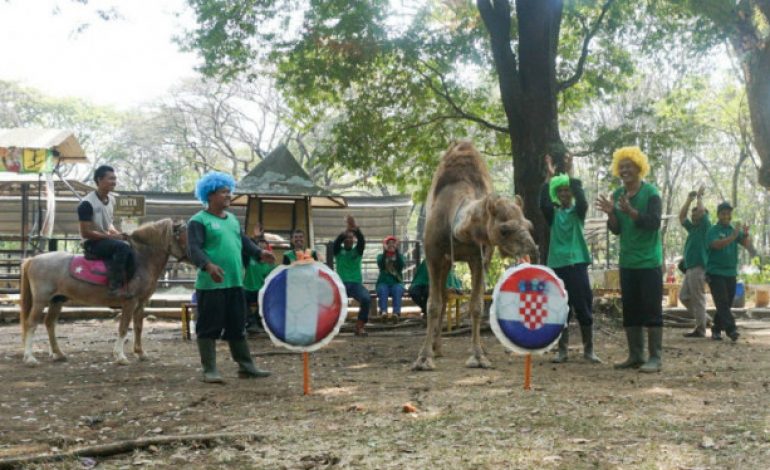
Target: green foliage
[[395, 84], [759, 273]]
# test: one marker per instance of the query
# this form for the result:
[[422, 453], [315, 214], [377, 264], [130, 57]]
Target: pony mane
[[158, 233], [462, 163]]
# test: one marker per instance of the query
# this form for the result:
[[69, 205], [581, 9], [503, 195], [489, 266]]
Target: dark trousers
[[252, 298], [357, 291], [641, 292], [221, 314], [723, 292], [419, 295], [578, 287], [116, 254]]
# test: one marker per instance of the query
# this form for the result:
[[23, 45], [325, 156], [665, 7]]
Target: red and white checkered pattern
[[532, 309]]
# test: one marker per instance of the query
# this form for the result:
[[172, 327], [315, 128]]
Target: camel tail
[[25, 302]]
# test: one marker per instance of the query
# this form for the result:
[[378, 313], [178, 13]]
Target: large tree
[[745, 25], [398, 82]]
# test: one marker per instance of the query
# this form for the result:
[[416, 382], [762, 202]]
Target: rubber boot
[[561, 356], [208, 352], [635, 338], [587, 332], [239, 350], [360, 331], [116, 275], [114, 279], [655, 343]]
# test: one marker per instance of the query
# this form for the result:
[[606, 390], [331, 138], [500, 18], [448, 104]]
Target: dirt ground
[[708, 409]]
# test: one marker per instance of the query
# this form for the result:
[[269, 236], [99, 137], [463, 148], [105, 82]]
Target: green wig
[[557, 182]]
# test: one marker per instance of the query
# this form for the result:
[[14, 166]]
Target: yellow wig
[[634, 154]]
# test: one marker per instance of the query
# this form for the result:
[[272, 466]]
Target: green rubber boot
[[207, 348], [655, 343], [239, 350], [561, 355], [635, 338], [587, 332]]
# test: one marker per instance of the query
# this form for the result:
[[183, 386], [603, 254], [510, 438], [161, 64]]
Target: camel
[[466, 220]]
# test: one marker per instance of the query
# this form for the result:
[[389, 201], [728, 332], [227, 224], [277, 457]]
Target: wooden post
[[306, 373], [528, 372]]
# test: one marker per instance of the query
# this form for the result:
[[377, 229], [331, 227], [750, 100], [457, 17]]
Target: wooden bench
[[453, 305]]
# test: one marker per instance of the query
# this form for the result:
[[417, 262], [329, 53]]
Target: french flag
[[301, 304], [531, 307]]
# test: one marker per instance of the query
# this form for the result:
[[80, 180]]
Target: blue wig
[[210, 182]]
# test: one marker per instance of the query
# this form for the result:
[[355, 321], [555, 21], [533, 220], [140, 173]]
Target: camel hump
[[462, 163]]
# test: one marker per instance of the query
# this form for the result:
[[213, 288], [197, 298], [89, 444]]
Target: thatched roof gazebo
[[26, 152], [280, 195]]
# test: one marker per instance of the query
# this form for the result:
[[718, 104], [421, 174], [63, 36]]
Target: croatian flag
[[529, 308], [303, 305]]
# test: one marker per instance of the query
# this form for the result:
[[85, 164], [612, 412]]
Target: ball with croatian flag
[[303, 306], [529, 308]]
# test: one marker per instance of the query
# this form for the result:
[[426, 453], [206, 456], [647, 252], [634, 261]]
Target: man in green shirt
[[722, 268], [634, 212], [256, 273], [419, 289], [216, 243], [347, 263], [692, 294], [568, 254], [298, 251]]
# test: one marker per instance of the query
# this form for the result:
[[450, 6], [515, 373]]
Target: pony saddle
[[88, 269]]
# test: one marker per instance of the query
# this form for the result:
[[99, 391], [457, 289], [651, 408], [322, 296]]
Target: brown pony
[[465, 222], [45, 281]]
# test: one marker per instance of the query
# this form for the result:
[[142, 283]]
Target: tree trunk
[[528, 91], [757, 68]]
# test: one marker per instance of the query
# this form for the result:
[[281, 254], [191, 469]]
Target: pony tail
[[25, 301]]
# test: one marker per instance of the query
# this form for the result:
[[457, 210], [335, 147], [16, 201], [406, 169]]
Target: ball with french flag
[[529, 308], [303, 306]]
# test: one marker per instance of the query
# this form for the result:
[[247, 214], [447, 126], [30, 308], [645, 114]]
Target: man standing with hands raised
[[693, 294]]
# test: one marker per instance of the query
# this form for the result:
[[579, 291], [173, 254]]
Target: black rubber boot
[[116, 276], [635, 338], [563, 350], [655, 343], [587, 332], [207, 348], [239, 350]]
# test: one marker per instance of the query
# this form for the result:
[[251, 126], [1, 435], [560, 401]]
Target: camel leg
[[54, 309], [435, 305], [29, 331], [478, 358], [125, 319], [438, 350], [138, 324]]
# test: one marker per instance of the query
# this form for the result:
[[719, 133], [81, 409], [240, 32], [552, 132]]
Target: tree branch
[[584, 53], [444, 93]]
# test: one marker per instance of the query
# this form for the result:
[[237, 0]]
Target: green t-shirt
[[640, 248], [223, 247], [568, 245], [696, 248], [348, 265], [722, 262], [256, 273], [390, 275], [421, 278]]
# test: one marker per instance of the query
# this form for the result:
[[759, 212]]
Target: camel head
[[507, 228]]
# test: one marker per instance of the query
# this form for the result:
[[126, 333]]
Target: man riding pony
[[100, 238]]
